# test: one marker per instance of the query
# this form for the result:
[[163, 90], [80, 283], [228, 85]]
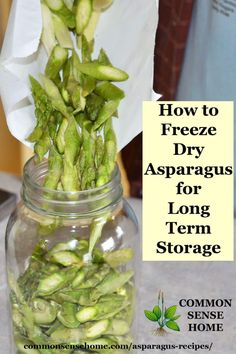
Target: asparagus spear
[[91, 26], [59, 7], [48, 35], [108, 91], [62, 32], [54, 169], [66, 315], [106, 112], [103, 72], [83, 11], [55, 62], [43, 110], [43, 311], [55, 96]]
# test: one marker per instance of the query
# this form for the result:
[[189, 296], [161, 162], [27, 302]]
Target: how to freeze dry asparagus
[[61, 299], [75, 99]]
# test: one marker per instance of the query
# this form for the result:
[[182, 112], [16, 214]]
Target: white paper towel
[[126, 31]]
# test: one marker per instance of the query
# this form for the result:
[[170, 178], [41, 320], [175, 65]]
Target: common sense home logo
[[164, 317]]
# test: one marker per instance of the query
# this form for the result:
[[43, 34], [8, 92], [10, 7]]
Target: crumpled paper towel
[[126, 31]]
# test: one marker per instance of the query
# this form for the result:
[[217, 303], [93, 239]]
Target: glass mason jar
[[70, 264]]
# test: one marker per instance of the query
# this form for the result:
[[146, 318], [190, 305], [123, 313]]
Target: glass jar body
[[71, 278]]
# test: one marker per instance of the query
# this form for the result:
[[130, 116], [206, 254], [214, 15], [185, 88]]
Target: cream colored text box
[[216, 192]]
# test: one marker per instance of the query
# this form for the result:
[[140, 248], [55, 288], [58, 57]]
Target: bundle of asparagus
[[75, 101], [64, 296]]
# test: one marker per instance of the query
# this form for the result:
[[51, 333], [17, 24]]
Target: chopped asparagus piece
[[108, 91], [54, 169], [55, 62], [55, 5], [48, 35], [120, 257], [103, 58], [51, 284], [43, 312], [83, 13], [67, 335], [97, 329], [103, 72], [62, 33], [112, 282], [89, 30], [55, 96], [66, 315], [106, 112], [66, 258]]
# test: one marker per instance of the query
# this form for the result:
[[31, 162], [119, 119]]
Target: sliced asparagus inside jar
[[72, 303]]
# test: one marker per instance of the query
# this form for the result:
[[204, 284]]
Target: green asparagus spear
[[78, 279], [95, 279], [54, 169], [97, 329], [43, 311], [43, 110], [99, 151], [63, 246], [72, 146], [91, 26], [78, 101], [109, 158], [42, 146], [88, 85], [60, 138], [103, 72], [94, 104], [96, 232], [120, 257], [66, 258], [75, 67], [103, 58], [112, 282], [62, 32], [80, 297], [56, 61], [48, 34], [67, 335], [104, 309], [66, 315], [59, 7], [72, 142], [106, 112], [69, 4], [102, 176], [86, 50], [51, 284], [55, 96], [108, 91], [83, 10]]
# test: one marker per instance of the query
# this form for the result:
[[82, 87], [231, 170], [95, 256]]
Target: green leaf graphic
[[170, 312], [175, 318], [157, 312], [173, 325], [150, 315]]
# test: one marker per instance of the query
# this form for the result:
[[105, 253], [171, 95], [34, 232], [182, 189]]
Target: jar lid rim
[[62, 203], [36, 185]]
